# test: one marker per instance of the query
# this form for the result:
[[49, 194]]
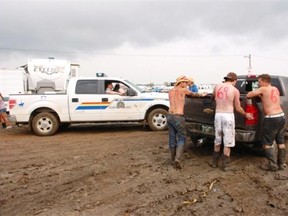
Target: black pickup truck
[[199, 112]]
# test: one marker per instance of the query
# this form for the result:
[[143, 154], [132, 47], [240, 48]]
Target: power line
[[115, 54], [137, 55], [273, 58], [33, 50]]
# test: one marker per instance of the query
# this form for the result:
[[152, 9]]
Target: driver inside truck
[[116, 90]]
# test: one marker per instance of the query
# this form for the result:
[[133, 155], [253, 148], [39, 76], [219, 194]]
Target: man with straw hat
[[175, 119]]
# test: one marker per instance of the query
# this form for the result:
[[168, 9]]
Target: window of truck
[[245, 86], [276, 83], [117, 86], [134, 86], [86, 87]]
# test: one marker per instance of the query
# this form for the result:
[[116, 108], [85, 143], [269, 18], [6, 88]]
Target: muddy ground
[[122, 170]]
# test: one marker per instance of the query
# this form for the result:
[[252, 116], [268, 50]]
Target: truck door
[[120, 107], [86, 103]]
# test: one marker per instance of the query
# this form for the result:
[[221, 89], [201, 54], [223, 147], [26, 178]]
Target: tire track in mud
[[41, 184], [48, 172]]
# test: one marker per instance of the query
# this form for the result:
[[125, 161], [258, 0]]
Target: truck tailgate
[[200, 110]]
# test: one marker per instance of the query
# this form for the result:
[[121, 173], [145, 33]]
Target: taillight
[[12, 103], [251, 108]]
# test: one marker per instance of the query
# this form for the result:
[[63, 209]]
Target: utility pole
[[250, 67]]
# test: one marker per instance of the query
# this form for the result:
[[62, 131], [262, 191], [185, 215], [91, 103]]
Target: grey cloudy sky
[[148, 40]]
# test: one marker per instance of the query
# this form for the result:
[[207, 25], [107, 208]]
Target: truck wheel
[[157, 119], [194, 140], [45, 124]]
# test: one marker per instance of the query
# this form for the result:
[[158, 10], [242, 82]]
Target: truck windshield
[[134, 86]]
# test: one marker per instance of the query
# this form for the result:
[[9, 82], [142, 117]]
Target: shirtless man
[[175, 119], [227, 98], [273, 124]]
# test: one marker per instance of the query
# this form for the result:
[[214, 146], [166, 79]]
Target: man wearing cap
[[273, 124], [227, 98], [175, 119]]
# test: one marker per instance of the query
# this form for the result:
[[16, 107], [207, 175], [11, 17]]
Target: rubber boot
[[281, 158], [215, 158], [225, 162], [173, 155], [272, 160], [179, 152]]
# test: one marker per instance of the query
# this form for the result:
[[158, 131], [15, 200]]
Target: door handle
[[105, 100], [75, 100]]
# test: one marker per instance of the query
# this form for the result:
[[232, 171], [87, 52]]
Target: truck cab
[[89, 99]]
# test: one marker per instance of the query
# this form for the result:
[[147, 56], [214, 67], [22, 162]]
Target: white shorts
[[225, 127]]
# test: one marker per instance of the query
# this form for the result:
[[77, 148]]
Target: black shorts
[[273, 129]]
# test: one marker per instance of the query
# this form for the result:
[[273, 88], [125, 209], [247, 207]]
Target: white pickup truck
[[86, 101]]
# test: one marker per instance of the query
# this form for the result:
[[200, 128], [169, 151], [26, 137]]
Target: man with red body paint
[[227, 98], [273, 124]]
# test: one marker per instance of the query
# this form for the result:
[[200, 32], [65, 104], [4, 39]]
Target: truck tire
[[194, 140], [157, 119], [45, 124]]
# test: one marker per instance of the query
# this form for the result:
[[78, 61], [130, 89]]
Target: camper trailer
[[38, 76], [46, 75]]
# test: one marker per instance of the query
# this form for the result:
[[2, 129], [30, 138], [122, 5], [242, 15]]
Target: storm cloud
[[99, 27], [102, 25]]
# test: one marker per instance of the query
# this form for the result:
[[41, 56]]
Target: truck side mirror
[[131, 92]]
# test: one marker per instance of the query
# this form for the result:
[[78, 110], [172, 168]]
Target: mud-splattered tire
[[157, 119], [45, 124], [194, 140]]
